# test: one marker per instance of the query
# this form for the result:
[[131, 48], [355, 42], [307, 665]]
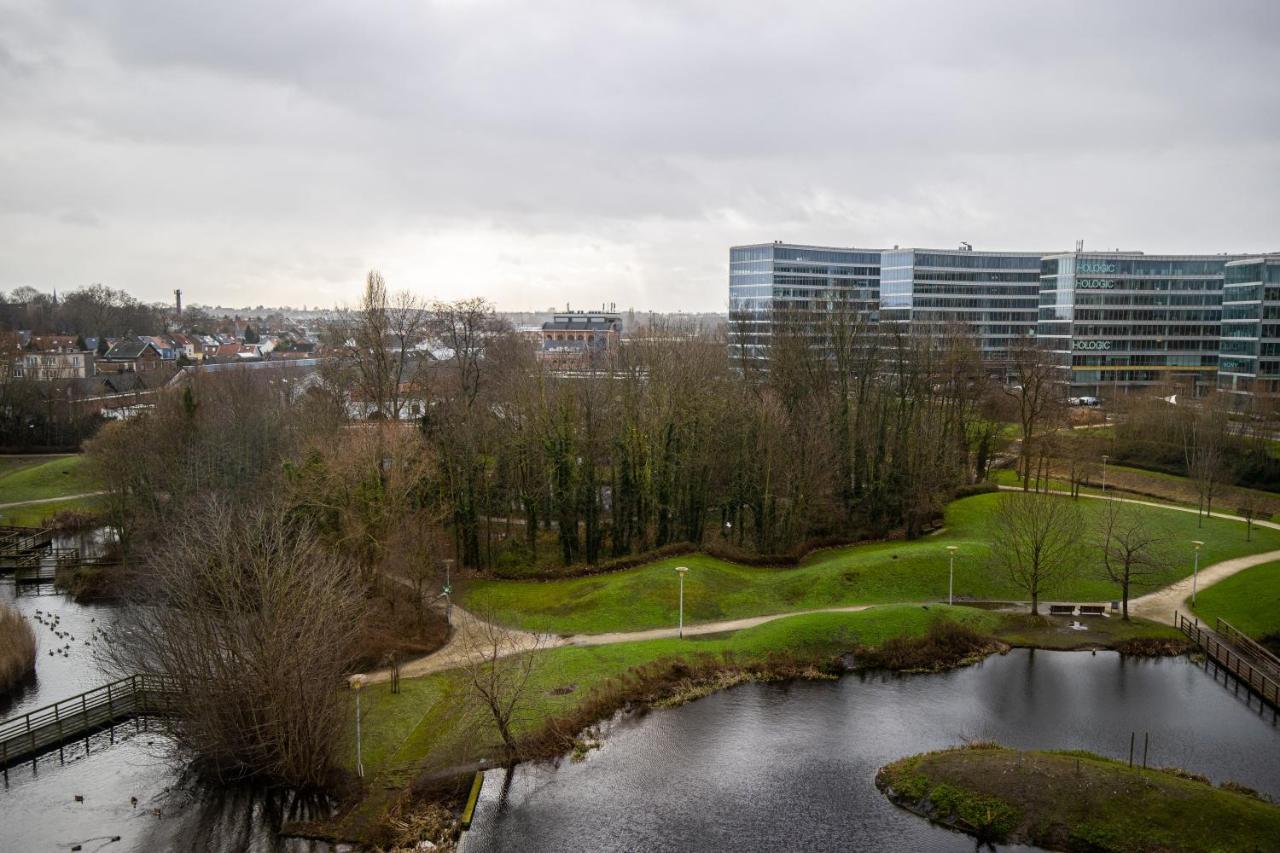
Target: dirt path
[[467, 627], [1159, 606], [699, 629], [1256, 522], [52, 500]]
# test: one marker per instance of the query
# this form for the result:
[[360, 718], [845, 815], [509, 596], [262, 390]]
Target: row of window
[[1084, 265], [1254, 271]]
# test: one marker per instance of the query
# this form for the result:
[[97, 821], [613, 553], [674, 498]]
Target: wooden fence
[[29, 735], [1259, 675]]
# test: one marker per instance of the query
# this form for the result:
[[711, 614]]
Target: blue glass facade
[[1249, 349], [991, 296], [1115, 321], [1126, 320], [769, 278]]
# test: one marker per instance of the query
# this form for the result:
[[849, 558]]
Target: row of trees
[[849, 431], [91, 311]]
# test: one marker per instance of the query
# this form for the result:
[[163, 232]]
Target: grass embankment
[[423, 720], [58, 477], [916, 571], [1078, 801], [17, 648], [428, 726], [1250, 601], [27, 479]]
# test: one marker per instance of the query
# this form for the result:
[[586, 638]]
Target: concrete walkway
[[1157, 606]]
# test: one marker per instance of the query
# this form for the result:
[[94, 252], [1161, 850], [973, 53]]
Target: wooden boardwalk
[[1253, 665], [41, 566], [19, 542], [29, 735]]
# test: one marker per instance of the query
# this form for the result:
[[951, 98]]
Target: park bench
[[1093, 610], [1062, 610]]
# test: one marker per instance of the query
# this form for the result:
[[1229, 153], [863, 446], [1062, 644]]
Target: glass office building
[[1125, 321], [1114, 321], [1249, 349], [772, 280], [992, 296]]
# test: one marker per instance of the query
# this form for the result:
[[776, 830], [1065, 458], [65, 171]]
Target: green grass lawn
[[9, 464], [898, 571], [1250, 601], [60, 476], [426, 721]]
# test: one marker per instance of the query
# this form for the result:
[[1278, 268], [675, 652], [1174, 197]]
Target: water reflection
[[129, 780], [132, 786], [785, 767]]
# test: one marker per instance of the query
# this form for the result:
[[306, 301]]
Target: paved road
[[467, 628]]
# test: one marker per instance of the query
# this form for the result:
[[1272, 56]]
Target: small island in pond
[[1078, 801]]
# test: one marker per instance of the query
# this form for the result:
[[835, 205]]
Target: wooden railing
[[16, 541], [30, 734], [1258, 676], [1249, 646]]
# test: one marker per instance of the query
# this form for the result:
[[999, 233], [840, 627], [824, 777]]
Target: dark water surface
[[791, 767]]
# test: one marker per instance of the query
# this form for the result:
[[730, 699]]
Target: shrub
[[947, 644]]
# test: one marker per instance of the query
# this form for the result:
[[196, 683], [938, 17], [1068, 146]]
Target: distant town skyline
[[534, 155]]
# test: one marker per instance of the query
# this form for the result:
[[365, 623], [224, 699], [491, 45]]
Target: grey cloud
[[295, 142]]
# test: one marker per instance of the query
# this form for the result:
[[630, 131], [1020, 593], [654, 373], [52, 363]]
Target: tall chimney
[[177, 298]]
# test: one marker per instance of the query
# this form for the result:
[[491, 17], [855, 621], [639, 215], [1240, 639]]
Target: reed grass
[[17, 648]]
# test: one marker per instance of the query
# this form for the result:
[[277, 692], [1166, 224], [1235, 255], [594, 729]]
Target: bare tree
[[1131, 552], [1205, 436], [378, 348], [501, 666], [1035, 393], [254, 625], [1034, 540]]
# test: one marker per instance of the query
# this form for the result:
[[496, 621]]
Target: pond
[[113, 769], [791, 766]]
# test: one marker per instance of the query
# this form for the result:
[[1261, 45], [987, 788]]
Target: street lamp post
[[681, 571], [448, 591], [356, 682], [1195, 571], [951, 574], [1104, 475]]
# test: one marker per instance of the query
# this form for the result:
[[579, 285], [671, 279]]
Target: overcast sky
[[259, 152]]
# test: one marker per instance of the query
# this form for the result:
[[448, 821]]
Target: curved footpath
[[51, 500], [1158, 606]]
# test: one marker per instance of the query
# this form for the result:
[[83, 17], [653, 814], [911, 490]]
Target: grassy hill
[[898, 571]]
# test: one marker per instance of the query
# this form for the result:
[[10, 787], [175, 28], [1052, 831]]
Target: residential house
[[47, 365], [131, 356]]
